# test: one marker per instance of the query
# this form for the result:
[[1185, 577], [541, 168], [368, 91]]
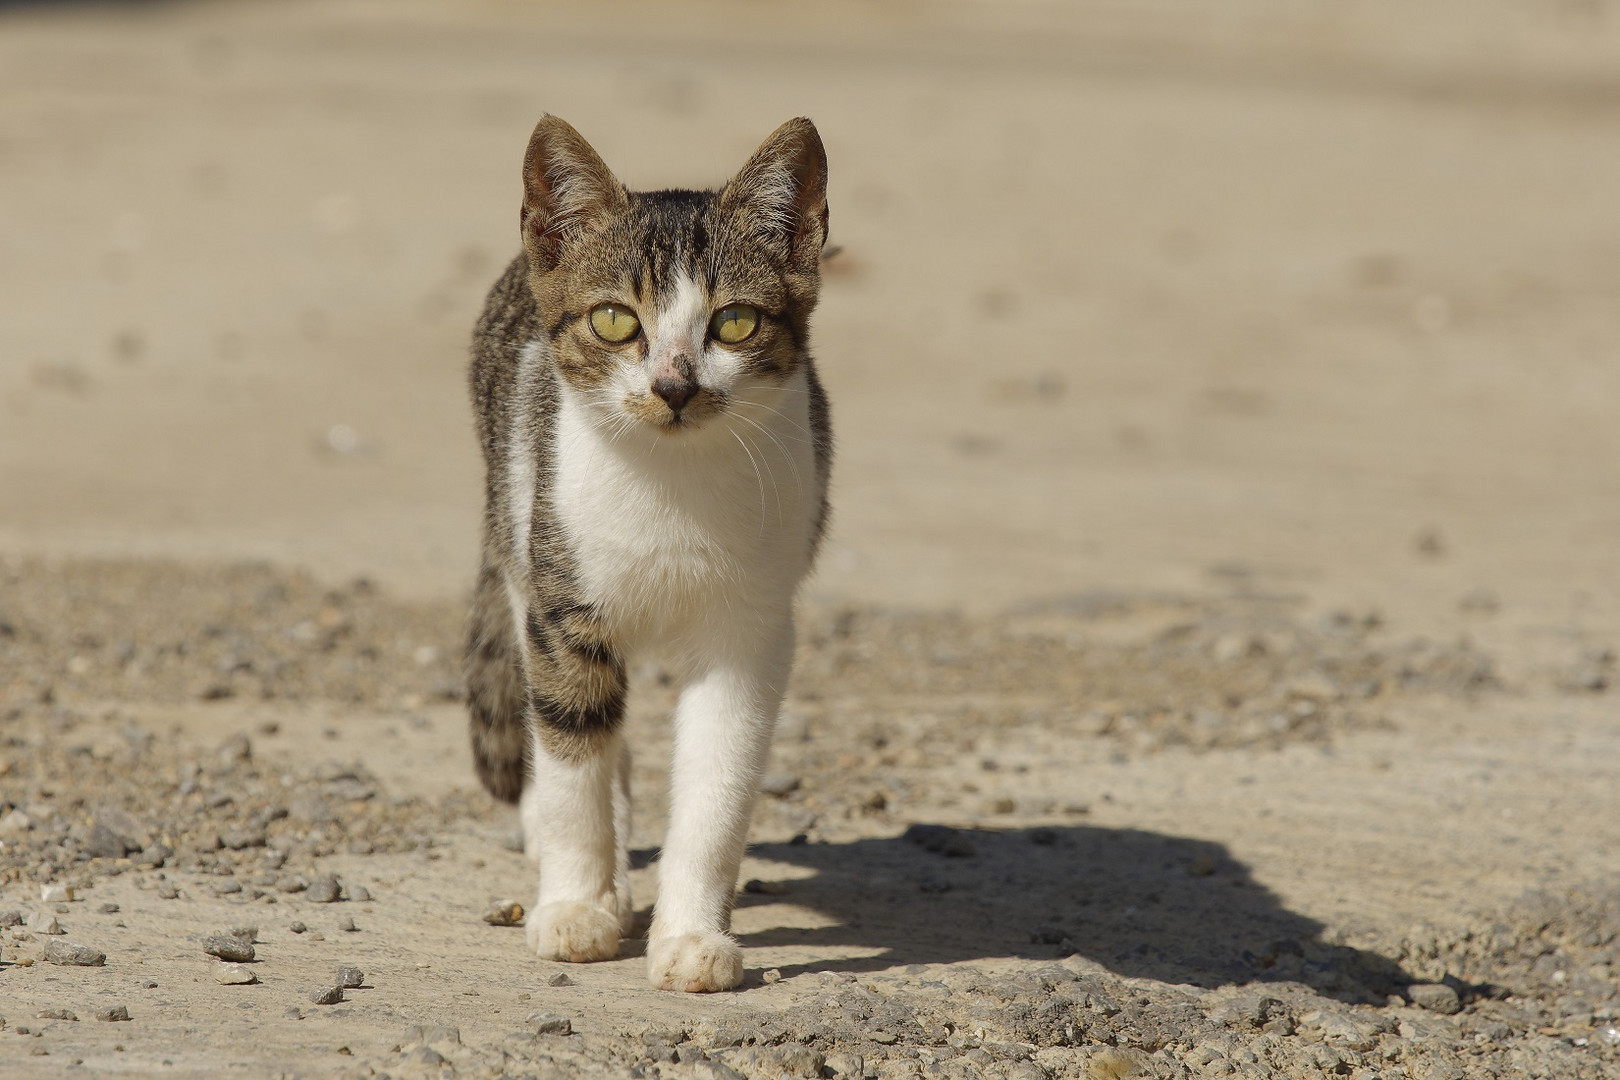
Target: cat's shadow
[[1138, 903]]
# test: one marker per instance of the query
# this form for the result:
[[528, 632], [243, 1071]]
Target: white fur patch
[[672, 531]]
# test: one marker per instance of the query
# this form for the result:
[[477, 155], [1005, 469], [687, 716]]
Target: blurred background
[[1316, 298]]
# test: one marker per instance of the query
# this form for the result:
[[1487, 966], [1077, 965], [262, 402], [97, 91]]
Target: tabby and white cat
[[657, 446]]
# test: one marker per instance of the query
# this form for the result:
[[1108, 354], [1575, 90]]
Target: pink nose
[[675, 392]]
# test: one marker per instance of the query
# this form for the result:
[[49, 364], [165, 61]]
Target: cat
[[658, 447]]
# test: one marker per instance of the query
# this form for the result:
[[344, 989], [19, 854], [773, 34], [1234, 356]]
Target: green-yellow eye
[[614, 323], [734, 324]]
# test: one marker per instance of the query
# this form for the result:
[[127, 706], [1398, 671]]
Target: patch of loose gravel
[[883, 704]]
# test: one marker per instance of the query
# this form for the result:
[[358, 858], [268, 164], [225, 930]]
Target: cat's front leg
[[723, 726], [568, 824], [576, 809]]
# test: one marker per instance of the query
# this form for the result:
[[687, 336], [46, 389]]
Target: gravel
[[326, 889], [545, 1023], [327, 995], [1528, 986], [60, 952], [941, 840], [229, 974], [350, 977], [228, 947], [504, 913], [43, 922], [345, 924], [779, 784], [1435, 997], [113, 1013]]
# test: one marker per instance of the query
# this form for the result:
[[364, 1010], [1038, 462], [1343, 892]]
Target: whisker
[[798, 481], [760, 480]]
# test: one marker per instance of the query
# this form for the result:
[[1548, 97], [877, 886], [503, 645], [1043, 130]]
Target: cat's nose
[[675, 392]]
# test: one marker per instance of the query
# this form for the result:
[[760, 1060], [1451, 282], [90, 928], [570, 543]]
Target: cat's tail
[[497, 721]]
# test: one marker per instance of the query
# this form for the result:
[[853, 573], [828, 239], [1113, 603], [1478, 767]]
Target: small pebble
[[1436, 997], [325, 889], [298, 928], [940, 839], [240, 839], [359, 893], [350, 977], [551, 1024], [346, 924], [291, 884], [504, 913], [60, 952], [293, 1013], [109, 908], [153, 855], [227, 887], [227, 947], [56, 1014], [113, 1013], [249, 934], [559, 979], [167, 891], [148, 984], [315, 935], [233, 975], [772, 975], [779, 784], [44, 922], [55, 894], [327, 995], [12, 917]]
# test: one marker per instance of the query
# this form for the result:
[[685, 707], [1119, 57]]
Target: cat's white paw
[[695, 963], [576, 933]]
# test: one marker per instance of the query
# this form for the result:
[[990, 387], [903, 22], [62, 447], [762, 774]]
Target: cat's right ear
[[565, 185]]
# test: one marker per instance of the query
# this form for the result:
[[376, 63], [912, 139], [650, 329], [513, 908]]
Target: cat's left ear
[[782, 193]]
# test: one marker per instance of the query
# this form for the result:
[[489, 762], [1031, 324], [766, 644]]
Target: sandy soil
[[1210, 669]]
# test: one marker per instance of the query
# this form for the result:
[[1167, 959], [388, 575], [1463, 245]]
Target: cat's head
[[669, 308]]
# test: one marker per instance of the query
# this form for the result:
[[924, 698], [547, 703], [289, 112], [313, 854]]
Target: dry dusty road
[[1210, 670]]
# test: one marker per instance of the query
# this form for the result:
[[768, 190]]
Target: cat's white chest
[[670, 531]]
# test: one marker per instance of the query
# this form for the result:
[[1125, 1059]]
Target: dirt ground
[[1211, 668]]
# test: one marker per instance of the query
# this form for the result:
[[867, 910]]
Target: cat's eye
[[614, 323], [734, 324]]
